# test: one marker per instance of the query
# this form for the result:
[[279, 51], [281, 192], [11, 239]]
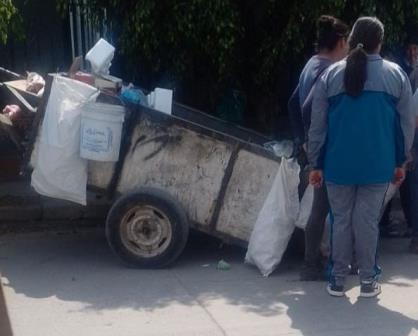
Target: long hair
[[366, 36]]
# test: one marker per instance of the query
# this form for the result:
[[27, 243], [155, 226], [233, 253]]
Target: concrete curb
[[5, 326]]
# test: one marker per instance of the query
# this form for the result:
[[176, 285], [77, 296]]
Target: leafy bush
[[8, 12], [206, 47]]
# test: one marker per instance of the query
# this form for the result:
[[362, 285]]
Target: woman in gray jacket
[[360, 137]]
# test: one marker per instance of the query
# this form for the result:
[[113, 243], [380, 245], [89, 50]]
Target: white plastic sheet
[[59, 171], [305, 208], [276, 220], [390, 193]]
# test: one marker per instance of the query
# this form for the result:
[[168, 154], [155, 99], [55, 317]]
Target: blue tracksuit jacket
[[360, 140]]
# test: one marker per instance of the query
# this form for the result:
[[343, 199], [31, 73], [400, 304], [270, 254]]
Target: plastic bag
[[305, 208], [34, 82], [390, 193], [280, 148], [130, 95], [59, 171], [276, 220]]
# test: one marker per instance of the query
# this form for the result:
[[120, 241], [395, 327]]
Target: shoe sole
[[334, 293]]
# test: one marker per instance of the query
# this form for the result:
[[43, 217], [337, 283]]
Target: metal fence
[[52, 39], [85, 29]]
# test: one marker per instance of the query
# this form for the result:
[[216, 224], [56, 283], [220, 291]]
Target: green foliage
[[8, 13], [257, 46]]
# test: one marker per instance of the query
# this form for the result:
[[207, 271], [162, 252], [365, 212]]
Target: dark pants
[[409, 195], [315, 227], [412, 209]]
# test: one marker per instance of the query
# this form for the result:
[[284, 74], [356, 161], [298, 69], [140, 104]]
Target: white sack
[[390, 193], [59, 171], [276, 220], [305, 208]]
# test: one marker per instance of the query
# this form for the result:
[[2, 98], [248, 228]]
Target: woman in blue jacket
[[360, 136]]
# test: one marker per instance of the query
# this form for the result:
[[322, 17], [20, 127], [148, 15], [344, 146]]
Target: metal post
[[79, 36], [104, 24], [85, 26], [71, 16]]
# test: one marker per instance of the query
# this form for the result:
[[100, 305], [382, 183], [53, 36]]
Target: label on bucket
[[97, 140], [101, 129]]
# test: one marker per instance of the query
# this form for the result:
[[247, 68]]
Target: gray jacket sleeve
[[406, 112], [319, 125]]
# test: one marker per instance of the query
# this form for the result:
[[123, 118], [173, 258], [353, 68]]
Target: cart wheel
[[147, 228]]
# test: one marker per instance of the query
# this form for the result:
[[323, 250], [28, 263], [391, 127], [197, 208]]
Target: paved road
[[71, 284]]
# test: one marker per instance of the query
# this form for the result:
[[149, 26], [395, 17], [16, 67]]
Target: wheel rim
[[146, 231]]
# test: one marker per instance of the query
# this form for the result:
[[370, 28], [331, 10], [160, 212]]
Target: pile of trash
[[77, 128], [17, 116], [100, 59]]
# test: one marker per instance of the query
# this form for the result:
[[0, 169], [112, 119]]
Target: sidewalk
[[71, 284], [5, 328]]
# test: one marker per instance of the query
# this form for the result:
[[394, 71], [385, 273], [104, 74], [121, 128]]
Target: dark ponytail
[[356, 71], [366, 36]]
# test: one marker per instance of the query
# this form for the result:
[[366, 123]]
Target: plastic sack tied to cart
[[276, 220], [59, 171], [284, 149], [305, 208]]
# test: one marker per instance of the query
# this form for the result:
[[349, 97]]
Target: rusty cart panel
[[220, 180]]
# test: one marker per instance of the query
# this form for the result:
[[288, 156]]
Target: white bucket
[[101, 131], [100, 56]]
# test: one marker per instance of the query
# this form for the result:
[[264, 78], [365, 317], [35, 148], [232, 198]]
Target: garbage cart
[[177, 172]]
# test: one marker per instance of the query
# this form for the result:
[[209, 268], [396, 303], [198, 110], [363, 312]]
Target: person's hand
[[399, 176], [316, 178]]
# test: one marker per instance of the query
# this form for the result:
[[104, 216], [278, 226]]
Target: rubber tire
[[166, 204]]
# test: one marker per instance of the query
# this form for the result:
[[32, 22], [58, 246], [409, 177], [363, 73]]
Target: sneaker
[[335, 290], [370, 289]]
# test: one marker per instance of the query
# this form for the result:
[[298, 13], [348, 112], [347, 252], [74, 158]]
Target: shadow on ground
[[81, 268]]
